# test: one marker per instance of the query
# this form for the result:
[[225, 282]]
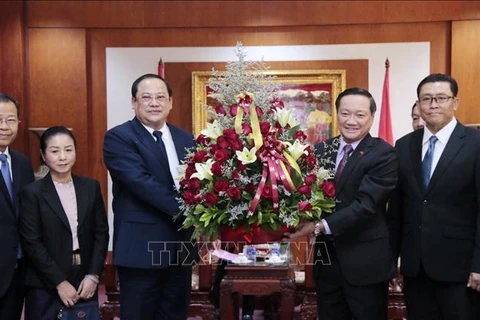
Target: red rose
[[305, 190], [221, 155], [246, 128], [189, 197], [310, 179], [264, 127], [201, 139], [189, 171], [230, 134], [217, 169], [222, 142], [233, 110], [221, 185], [311, 161], [214, 148], [194, 184], [304, 206], [267, 192], [211, 199], [328, 188], [250, 188], [278, 103], [300, 135], [234, 193], [219, 109], [259, 111], [240, 166], [183, 183], [200, 156], [236, 145], [235, 175]]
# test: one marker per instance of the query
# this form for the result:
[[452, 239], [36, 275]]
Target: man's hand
[[303, 229], [474, 281], [67, 293]]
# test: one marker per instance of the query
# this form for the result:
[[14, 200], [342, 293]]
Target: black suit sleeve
[[378, 180], [100, 245]]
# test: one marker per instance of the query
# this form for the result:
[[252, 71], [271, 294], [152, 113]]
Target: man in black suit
[[353, 257], [152, 255], [16, 173], [435, 209]]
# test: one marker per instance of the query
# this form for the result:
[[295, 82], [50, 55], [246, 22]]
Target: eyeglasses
[[439, 100], [146, 99], [9, 122]]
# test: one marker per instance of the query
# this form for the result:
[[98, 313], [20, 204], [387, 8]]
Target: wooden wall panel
[[159, 14], [466, 68], [58, 86], [12, 58]]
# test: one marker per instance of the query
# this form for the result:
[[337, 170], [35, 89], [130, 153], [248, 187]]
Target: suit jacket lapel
[[416, 157], [81, 193], [363, 147], [4, 190], [179, 143], [147, 140], [50, 194], [454, 144]]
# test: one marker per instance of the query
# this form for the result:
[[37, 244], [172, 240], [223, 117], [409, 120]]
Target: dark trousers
[[41, 304], [428, 299], [11, 304], [155, 294], [248, 304], [339, 300]]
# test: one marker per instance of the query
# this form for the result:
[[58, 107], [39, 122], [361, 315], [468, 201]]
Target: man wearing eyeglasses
[[152, 255], [16, 172], [435, 211]]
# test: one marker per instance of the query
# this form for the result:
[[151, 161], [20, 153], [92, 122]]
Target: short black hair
[[360, 92], [413, 108], [53, 131], [5, 98], [150, 76], [439, 77]]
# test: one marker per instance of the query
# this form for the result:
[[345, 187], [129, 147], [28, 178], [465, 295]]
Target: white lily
[[213, 130], [296, 149], [247, 156], [324, 174], [204, 170], [284, 117]]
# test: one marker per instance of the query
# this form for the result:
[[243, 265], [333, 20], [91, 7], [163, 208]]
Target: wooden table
[[260, 279]]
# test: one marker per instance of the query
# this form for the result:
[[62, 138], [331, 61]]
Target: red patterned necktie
[[347, 151]]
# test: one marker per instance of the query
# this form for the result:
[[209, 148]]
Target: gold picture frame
[[304, 90]]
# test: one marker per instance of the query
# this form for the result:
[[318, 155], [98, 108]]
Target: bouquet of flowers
[[252, 168]]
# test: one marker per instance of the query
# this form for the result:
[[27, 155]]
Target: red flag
[[385, 126], [161, 68]]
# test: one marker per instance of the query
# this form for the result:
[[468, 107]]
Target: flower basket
[[253, 173]]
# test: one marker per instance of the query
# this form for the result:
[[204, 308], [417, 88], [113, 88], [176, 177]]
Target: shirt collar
[[443, 135], [7, 153], [164, 130], [343, 144]]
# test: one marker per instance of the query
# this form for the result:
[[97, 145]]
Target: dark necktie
[[6, 175], [163, 150], [347, 151], [427, 161]]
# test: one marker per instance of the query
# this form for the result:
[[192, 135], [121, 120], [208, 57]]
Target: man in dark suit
[[435, 209], [16, 173], [353, 257], [153, 256]]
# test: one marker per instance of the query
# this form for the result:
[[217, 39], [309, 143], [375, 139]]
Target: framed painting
[[310, 93]]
